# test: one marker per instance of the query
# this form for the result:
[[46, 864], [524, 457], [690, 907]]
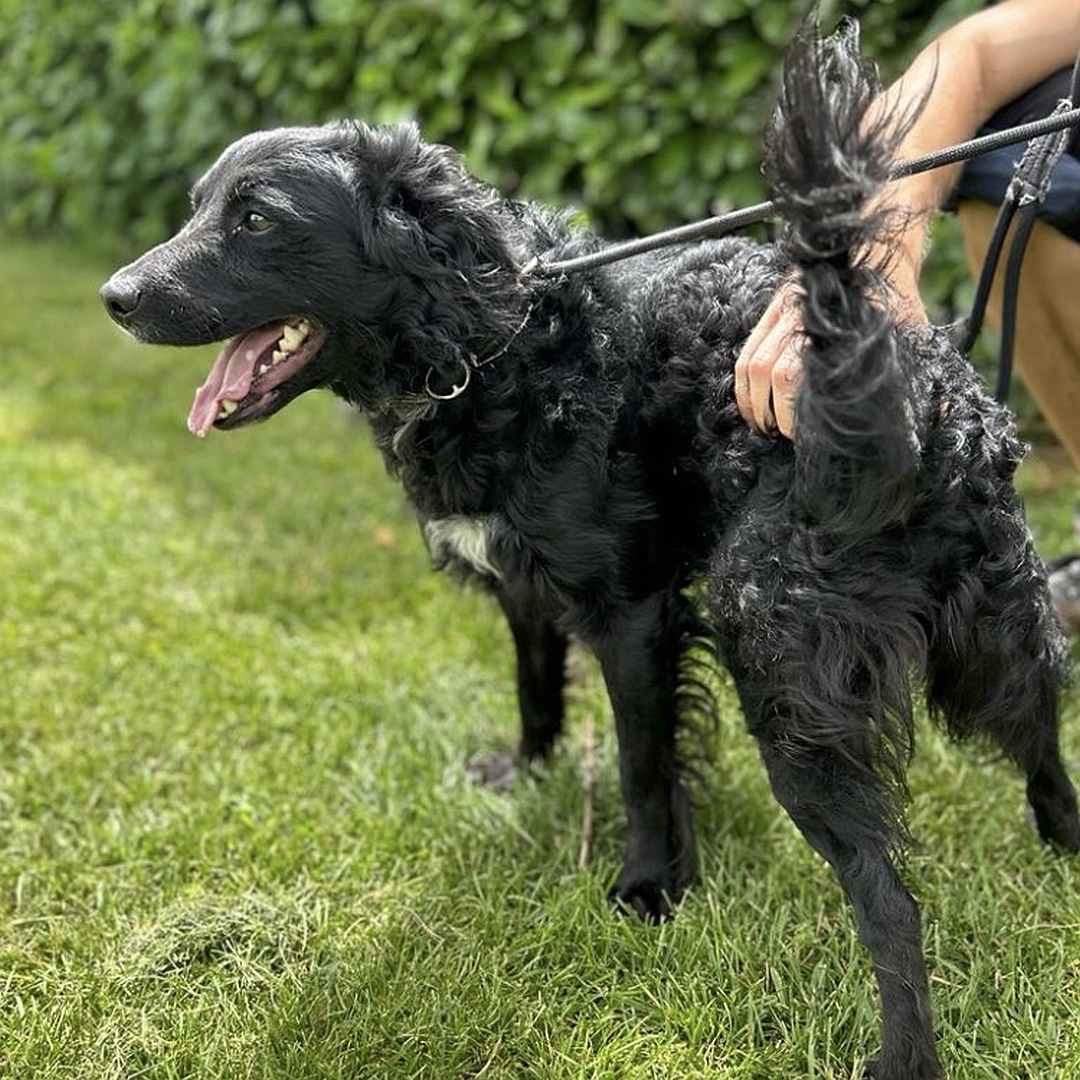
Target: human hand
[[769, 368]]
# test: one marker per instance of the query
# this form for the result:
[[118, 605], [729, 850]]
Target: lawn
[[236, 835]]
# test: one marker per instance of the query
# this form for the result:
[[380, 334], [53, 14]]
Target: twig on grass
[[588, 790]]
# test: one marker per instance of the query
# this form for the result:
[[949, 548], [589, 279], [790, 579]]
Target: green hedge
[[645, 113]]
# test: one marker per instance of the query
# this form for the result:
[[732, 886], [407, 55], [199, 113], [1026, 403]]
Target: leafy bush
[[645, 112]]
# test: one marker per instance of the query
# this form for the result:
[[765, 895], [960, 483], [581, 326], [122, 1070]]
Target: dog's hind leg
[[541, 673], [820, 759], [837, 811], [996, 670], [640, 658]]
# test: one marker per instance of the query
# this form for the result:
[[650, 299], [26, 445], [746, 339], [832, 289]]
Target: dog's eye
[[255, 222]]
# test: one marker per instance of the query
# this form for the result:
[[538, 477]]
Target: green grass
[[236, 840]]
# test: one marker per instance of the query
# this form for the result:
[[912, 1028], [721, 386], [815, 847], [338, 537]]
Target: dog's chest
[[463, 539]]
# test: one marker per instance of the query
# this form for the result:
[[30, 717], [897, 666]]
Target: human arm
[[962, 78]]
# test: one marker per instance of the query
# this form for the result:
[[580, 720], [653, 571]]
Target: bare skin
[[965, 76]]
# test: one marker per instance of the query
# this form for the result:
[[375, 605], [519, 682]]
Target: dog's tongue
[[230, 377]]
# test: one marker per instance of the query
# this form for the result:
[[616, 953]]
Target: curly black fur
[[595, 474]]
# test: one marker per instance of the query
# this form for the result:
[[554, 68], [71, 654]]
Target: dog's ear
[[442, 242], [421, 195]]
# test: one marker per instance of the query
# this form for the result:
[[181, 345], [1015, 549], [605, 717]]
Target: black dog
[[575, 445]]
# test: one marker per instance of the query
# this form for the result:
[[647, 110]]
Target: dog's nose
[[121, 297]]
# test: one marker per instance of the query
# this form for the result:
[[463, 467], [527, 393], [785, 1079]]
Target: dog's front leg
[[540, 649], [639, 657], [541, 672]]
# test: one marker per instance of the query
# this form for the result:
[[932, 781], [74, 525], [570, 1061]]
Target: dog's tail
[[829, 158]]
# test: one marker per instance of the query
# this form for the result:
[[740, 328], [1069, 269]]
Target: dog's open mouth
[[245, 382]]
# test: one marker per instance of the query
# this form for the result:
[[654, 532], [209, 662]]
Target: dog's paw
[[1063, 838], [923, 1067], [496, 770], [652, 901], [1053, 805], [655, 875]]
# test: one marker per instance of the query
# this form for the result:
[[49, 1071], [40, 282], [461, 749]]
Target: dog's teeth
[[227, 409], [264, 368], [278, 355], [292, 336]]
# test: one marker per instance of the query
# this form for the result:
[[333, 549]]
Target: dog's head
[[346, 256]]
